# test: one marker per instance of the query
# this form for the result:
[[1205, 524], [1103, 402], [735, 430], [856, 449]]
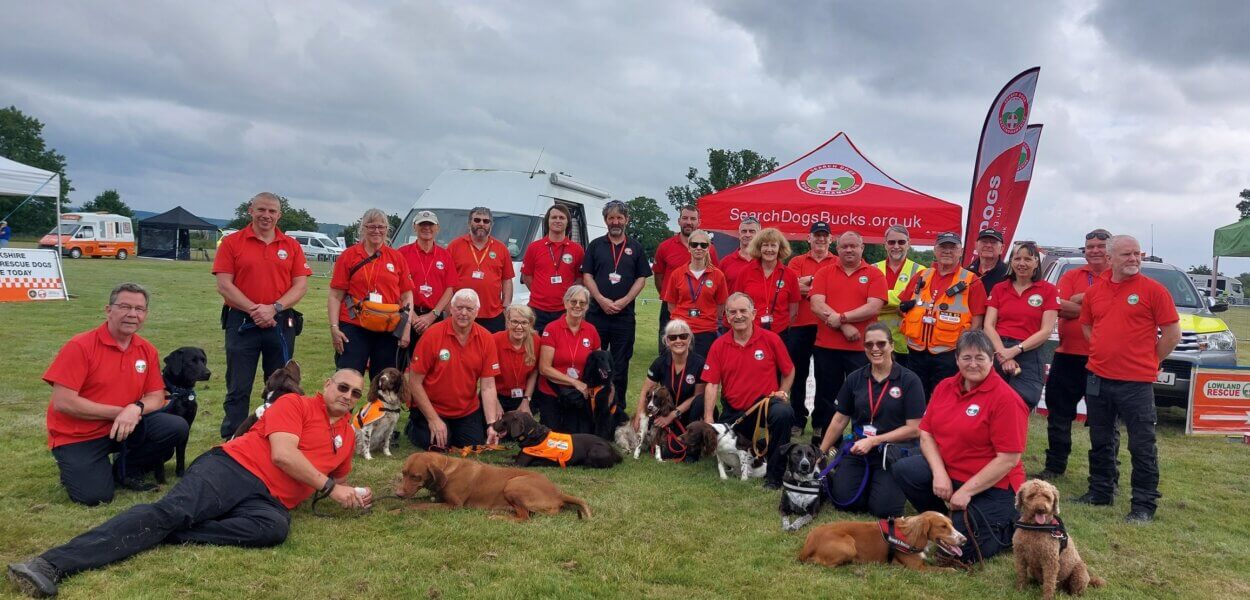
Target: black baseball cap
[[990, 233], [947, 237], [820, 227]]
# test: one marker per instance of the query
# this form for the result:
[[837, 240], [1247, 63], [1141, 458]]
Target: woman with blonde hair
[[772, 287], [518, 359]]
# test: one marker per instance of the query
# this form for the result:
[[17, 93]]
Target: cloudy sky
[[345, 105]]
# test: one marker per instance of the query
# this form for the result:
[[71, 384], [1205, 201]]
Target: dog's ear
[[292, 367], [438, 478], [785, 450], [1020, 496], [1054, 493], [917, 528], [709, 441]]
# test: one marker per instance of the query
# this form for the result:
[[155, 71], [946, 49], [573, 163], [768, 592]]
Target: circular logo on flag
[[1035, 300], [863, 279], [759, 355], [1132, 298], [895, 392], [438, 264], [973, 410], [689, 379], [444, 354], [141, 366], [567, 258], [282, 254], [830, 179], [629, 251], [1025, 153], [390, 267], [1013, 113], [492, 254]]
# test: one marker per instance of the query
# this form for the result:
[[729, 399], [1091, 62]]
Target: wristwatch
[[277, 307], [438, 314], [139, 403]]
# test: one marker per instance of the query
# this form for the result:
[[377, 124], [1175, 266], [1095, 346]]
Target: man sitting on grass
[[237, 494]]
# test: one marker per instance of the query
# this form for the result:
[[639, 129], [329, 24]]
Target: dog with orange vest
[[540, 446]]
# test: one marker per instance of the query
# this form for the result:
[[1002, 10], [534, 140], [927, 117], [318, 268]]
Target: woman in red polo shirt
[[368, 271], [772, 287], [971, 439], [1020, 315], [696, 292], [566, 344], [518, 359]]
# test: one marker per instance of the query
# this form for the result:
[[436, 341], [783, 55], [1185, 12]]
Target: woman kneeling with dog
[[883, 401], [972, 437], [566, 344]]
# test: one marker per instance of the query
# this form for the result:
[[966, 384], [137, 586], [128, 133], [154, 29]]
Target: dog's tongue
[[1041, 519]]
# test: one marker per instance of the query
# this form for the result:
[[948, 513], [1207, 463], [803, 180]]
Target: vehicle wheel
[[122, 255], [75, 253]]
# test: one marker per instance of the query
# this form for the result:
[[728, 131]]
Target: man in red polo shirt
[[455, 361], [261, 273], [433, 274], [671, 254], [745, 365], [484, 266], [239, 494], [106, 394], [846, 298], [550, 266], [801, 338], [734, 264], [1065, 384], [1120, 316]]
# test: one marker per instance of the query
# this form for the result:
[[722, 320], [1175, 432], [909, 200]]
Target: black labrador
[[184, 368], [603, 411], [587, 450]]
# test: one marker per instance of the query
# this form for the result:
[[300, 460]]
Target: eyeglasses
[[973, 358], [875, 345], [577, 303], [356, 393], [673, 337], [512, 323], [377, 227], [701, 245], [481, 220], [128, 307], [896, 242]]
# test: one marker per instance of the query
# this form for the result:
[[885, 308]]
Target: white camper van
[[316, 245], [518, 200], [92, 234]]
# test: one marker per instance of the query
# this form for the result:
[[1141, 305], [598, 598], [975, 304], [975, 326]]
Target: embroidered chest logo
[[141, 366], [863, 279], [895, 392], [567, 258], [438, 264], [492, 254], [390, 267], [707, 283], [1133, 299], [689, 379], [444, 354], [973, 410], [629, 251], [759, 355], [1035, 300], [585, 342], [282, 254]]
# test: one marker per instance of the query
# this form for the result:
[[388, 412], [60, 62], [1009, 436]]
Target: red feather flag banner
[[998, 161], [1012, 210]]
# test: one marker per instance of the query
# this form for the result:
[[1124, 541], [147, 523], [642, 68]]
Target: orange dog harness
[[556, 447], [371, 412]]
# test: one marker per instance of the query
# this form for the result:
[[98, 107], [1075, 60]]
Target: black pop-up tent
[[168, 235]]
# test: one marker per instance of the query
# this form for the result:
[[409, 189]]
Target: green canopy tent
[[1230, 240]]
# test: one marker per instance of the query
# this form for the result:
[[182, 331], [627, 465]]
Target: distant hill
[[330, 229]]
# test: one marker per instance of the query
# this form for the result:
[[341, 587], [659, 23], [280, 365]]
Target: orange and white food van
[[93, 234]]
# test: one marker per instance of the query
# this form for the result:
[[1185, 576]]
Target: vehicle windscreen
[[514, 230], [66, 229], [1184, 295]]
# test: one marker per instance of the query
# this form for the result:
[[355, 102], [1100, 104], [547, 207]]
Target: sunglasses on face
[[875, 345], [700, 244], [1098, 235], [355, 393], [673, 337], [481, 220], [896, 242]]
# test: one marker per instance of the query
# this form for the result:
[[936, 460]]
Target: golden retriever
[[1043, 548], [845, 542], [464, 483]]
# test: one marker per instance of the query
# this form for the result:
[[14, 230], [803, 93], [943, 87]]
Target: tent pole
[[1215, 276], [59, 264]]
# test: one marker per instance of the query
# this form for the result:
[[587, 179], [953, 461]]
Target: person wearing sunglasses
[[238, 494], [883, 401], [672, 254], [107, 396], [899, 271], [771, 286], [1065, 384], [518, 359], [484, 266], [801, 340], [1020, 315], [369, 271], [551, 265], [566, 344], [988, 264], [971, 439], [451, 381], [678, 372], [696, 292]]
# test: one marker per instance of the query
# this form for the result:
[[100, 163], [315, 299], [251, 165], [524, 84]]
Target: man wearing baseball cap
[[433, 272], [802, 333], [989, 265]]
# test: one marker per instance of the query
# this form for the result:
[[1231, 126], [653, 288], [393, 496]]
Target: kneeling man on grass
[[237, 494]]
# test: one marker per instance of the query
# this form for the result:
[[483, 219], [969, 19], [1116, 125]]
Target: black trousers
[[543, 317], [217, 502], [832, 367], [931, 368], [664, 317], [564, 419], [1064, 389], [992, 512], [1134, 403], [1028, 384], [367, 350], [780, 419], [616, 334], [800, 342], [880, 496], [245, 344], [703, 342], [495, 324], [469, 430], [85, 468]]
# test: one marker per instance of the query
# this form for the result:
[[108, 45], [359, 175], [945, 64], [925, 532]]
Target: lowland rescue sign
[[29, 275], [1219, 401]]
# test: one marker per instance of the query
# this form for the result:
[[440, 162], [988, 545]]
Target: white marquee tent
[[25, 181]]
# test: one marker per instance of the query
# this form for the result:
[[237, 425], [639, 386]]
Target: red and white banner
[[998, 160], [1014, 207], [30, 275]]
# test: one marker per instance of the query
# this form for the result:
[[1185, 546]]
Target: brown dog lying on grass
[[845, 542], [1043, 549], [464, 483]]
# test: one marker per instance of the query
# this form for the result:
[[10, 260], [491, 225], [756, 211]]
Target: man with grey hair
[[1120, 316], [484, 265], [615, 271], [261, 274], [107, 393], [452, 381], [899, 271]]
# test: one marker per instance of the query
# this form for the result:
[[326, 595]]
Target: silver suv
[[1205, 339]]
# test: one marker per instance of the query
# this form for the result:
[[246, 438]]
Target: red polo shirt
[[328, 446], [772, 295], [571, 349], [513, 372], [804, 265], [703, 294], [1071, 336], [733, 266], [263, 272], [93, 365], [484, 271], [1126, 317], [432, 272], [1020, 314], [671, 254], [844, 292], [452, 370], [387, 275], [971, 428], [552, 268], [748, 372]]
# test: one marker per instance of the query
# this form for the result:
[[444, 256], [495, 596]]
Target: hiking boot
[[1047, 475], [138, 484], [1139, 516], [36, 577], [772, 485], [1092, 499]]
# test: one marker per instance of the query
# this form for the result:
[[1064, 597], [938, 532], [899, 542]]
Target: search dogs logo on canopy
[[1013, 113], [830, 179]]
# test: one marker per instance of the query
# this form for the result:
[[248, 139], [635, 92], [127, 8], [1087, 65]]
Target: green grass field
[[659, 531]]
